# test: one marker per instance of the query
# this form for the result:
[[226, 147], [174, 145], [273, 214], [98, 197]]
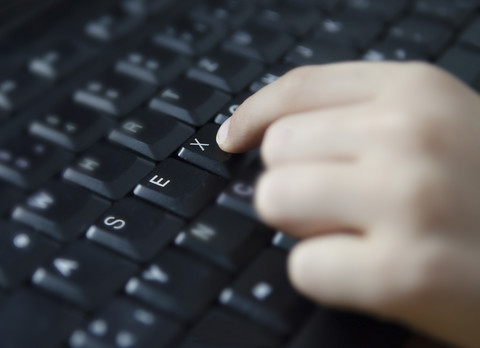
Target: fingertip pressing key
[[222, 135]]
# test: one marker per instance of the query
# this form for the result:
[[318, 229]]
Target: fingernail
[[223, 132]]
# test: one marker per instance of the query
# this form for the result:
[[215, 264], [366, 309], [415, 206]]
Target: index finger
[[300, 90]]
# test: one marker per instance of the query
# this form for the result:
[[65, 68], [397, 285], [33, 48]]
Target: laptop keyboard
[[123, 224]]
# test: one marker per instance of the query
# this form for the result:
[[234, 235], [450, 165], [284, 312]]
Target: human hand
[[376, 166]]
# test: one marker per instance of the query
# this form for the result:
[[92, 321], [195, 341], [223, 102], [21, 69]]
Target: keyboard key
[[471, 36], [30, 319], [392, 49], [384, 10], [151, 134], [431, 34], [462, 62], [111, 26], [61, 210], [28, 162], [349, 29], [22, 250], [230, 108], [226, 71], [145, 7], [152, 64], [122, 323], [271, 75], [224, 237], [114, 93], [189, 101], [230, 12], [447, 11], [315, 51], [264, 294], [71, 126], [108, 170], [135, 229], [238, 195], [19, 89], [11, 195], [220, 328], [202, 150], [339, 329], [83, 274], [259, 42], [178, 285], [283, 241], [60, 59], [179, 187], [190, 35], [292, 18]]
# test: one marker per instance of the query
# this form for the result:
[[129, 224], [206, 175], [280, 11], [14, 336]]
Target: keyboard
[[122, 223]]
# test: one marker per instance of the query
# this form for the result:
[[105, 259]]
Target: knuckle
[[275, 139], [265, 198]]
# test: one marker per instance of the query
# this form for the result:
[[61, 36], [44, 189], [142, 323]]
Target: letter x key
[[206, 153], [199, 144]]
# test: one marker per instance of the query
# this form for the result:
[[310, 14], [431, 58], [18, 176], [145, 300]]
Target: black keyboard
[[122, 223]]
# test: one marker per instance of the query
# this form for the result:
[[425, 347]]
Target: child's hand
[[377, 166]]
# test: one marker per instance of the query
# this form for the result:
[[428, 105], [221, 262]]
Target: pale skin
[[376, 168]]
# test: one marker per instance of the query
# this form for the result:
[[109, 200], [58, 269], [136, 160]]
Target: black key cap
[[114, 93], [135, 229], [151, 134], [145, 7], [202, 150], [71, 126], [339, 329], [230, 108], [178, 284], [189, 35], [396, 50], [349, 29], [11, 195], [238, 195], [60, 210], [382, 9], [122, 323], [153, 64], [272, 74], [264, 294], [431, 34], [28, 162], [230, 12], [224, 70], [20, 88], [84, 274], [224, 237], [315, 51], [259, 42], [179, 187], [221, 328], [447, 11], [283, 241], [292, 18], [60, 59], [30, 319], [22, 249], [471, 36], [462, 62], [189, 101], [111, 26], [108, 170]]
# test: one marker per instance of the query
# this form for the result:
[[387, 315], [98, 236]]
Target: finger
[[305, 199], [337, 269], [300, 90], [344, 133]]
